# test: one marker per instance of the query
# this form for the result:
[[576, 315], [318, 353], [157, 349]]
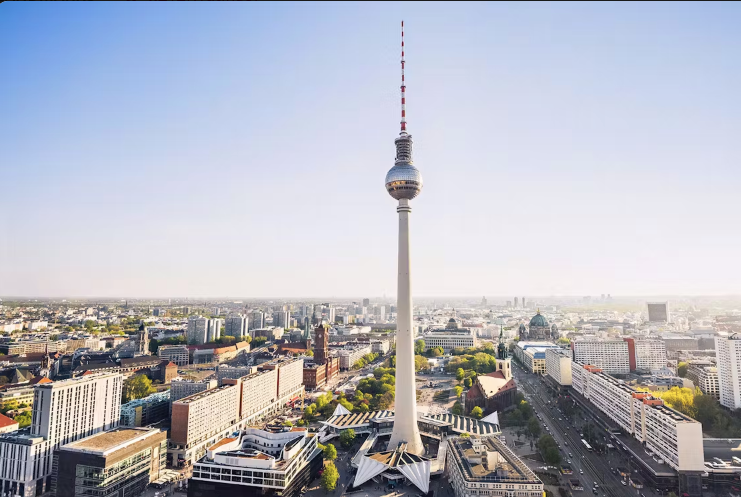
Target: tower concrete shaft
[[405, 411]]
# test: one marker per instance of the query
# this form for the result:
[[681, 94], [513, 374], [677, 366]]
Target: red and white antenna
[[403, 86]]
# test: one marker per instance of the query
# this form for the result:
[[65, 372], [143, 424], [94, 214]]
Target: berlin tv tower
[[404, 182]]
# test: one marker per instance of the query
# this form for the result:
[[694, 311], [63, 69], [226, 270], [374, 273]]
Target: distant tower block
[[403, 183]]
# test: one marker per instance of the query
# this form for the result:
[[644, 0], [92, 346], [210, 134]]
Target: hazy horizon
[[241, 148]]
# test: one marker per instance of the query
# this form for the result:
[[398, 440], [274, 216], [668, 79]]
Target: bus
[[586, 445]]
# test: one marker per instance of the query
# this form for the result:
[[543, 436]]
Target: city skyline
[[593, 147]]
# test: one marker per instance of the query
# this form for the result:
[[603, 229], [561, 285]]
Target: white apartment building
[[179, 388], [348, 357], [258, 391], [610, 355], [281, 319], [532, 355], [197, 419], [728, 355], [650, 355], [460, 339], [202, 330], [705, 376], [558, 365], [63, 412], [290, 381], [233, 406], [178, 354], [673, 437], [235, 326]]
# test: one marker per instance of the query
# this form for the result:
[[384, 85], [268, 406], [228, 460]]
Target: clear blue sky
[[239, 149]]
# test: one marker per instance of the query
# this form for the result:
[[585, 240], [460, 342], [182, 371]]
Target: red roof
[[40, 380], [6, 421]]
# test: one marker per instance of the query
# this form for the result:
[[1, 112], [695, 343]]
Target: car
[[594, 491], [623, 482], [581, 471], [570, 454], [595, 485]]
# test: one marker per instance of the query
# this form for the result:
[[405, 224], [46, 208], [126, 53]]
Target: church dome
[[539, 320]]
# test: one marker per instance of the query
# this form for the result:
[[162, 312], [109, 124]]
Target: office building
[[270, 461], [485, 466], [532, 355], [451, 337], [236, 326], [558, 366], [146, 411], [349, 356], [256, 320], [120, 462], [728, 355], [675, 344], [658, 312], [609, 355], [675, 438], [63, 412], [177, 354], [366, 302], [224, 371]]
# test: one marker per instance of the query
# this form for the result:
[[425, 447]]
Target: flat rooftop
[[507, 468], [109, 441]]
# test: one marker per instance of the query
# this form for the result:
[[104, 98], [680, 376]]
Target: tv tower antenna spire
[[403, 86]]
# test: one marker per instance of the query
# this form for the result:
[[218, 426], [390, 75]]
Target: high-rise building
[[611, 356], [280, 319], [658, 312], [366, 302], [524, 306], [235, 325], [517, 302], [650, 355], [202, 330], [63, 412], [728, 355], [403, 183], [256, 321]]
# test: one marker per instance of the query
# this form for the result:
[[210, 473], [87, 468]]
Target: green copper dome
[[539, 320]]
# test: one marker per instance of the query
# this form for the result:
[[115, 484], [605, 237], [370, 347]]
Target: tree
[[137, 387], [419, 347], [23, 419], [330, 452], [458, 390], [682, 369], [457, 408], [460, 374], [467, 382], [533, 427], [310, 353], [563, 341], [420, 362], [330, 477], [476, 412], [287, 423], [346, 404], [347, 437], [10, 405]]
